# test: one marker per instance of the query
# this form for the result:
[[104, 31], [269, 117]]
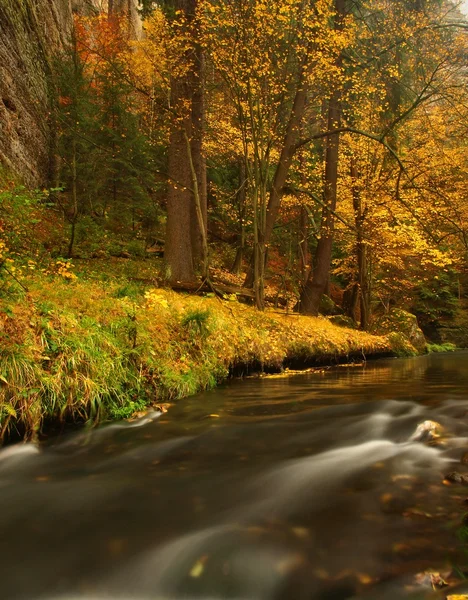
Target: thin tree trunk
[[350, 300], [282, 168], [303, 244], [75, 202], [241, 206], [198, 210], [361, 248], [199, 160]]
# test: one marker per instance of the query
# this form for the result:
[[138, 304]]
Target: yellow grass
[[83, 350]]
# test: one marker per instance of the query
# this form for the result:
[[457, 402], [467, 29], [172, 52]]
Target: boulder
[[405, 324]]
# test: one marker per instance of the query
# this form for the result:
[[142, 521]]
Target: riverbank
[[88, 351]]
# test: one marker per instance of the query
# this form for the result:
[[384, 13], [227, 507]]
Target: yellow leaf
[[198, 567]]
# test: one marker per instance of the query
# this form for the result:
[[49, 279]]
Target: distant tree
[[75, 115], [106, 161]]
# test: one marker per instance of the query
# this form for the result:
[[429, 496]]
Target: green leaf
[[9, 409]]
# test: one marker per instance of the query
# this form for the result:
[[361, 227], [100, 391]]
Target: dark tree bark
[[361, 248], [241, 204], [303, 244], [350, 300], [318, 279], [178, 255], [186, 247]]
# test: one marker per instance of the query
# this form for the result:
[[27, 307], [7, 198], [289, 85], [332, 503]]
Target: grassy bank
[[73, 350]]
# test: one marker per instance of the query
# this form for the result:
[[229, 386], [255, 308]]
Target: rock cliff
[[31, 32]]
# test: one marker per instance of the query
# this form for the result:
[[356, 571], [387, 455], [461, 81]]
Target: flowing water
[[307, 487]]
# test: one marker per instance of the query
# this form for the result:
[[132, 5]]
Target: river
[[303, 487]]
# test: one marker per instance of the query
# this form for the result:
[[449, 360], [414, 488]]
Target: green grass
[[447, 347], [85, 350]]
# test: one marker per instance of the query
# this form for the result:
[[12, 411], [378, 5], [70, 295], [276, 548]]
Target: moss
[[411, 339], [447, 347], [401, 345]]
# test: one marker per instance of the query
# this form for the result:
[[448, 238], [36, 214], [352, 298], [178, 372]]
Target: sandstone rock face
[[31, 32]]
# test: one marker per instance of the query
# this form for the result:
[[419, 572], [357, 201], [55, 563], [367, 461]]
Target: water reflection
[[303, 487]]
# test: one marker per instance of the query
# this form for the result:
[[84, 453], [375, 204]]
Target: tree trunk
[[282, 169], [303, 244], [320, 273], [361, 248], [199, 161], [350, 300], [185, 247], [241, 206], [74, 218], [319, 276], [178, 256]]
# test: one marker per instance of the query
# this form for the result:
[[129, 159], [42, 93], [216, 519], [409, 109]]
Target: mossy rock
[[455, 331], [343, 321], [328, 307], [405, 331]]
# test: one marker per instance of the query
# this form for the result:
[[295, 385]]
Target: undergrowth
[[447, 347], [84, 341], [87, 351]]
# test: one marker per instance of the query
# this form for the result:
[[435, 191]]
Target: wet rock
[[427, 431], [431, 579], [456, 477]]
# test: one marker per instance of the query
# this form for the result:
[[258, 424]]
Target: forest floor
[[106, 343]]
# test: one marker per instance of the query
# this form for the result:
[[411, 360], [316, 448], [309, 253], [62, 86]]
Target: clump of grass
[[128, 290], [196, 321], [447, 347]]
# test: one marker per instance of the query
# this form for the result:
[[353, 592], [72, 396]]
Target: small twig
[[217, 294], [2, 265]]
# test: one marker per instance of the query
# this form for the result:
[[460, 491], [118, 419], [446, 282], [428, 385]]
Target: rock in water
[[455, 477], [428, 431]]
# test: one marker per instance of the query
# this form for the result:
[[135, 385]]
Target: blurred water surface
[[303, 487]]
